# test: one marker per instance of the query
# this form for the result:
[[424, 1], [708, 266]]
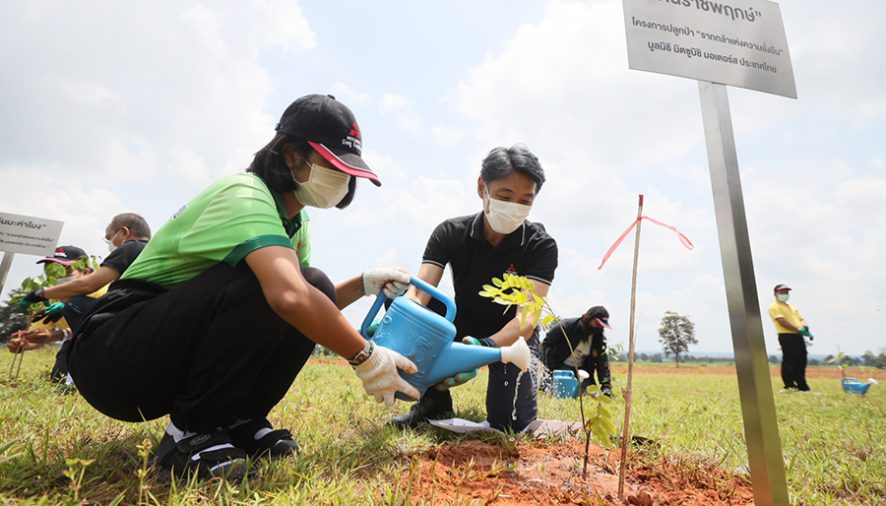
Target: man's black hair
[[502, 161], [269, 165]]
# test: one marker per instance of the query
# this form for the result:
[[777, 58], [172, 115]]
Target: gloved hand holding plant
[[52, 313]]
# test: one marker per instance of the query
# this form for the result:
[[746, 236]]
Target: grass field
[[56, 449]]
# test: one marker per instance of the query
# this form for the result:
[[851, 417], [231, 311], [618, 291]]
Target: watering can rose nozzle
[[517, 354]]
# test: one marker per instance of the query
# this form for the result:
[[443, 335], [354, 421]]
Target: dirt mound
[[481, 473]]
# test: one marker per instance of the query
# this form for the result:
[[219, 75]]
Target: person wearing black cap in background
[[792, 329], [588, 351], [53, 322], [215, 319]]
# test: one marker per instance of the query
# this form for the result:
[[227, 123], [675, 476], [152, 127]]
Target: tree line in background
[[676, 333]]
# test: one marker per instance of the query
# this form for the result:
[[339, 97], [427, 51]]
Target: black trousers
[[75, 309], [793, 362], [500, 395], [207, 352]]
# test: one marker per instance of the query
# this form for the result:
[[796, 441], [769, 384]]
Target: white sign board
[[28, 235], [739, 43]]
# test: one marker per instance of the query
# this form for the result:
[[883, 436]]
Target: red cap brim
[[66, 263], [601, 322], [357, 167]]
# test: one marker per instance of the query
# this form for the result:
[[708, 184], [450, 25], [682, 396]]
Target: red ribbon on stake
[[683, 239]]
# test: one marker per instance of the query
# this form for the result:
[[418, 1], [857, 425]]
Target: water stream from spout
[[534, 370]]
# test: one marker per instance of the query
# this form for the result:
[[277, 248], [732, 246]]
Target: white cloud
[[190, 167], [117, 103], [552, 86], [448, 135], [284, 26], [157, 77], [400, 107], [384, 165], [347, 95]]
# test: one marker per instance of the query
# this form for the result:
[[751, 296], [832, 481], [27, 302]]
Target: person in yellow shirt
[[792, 329]]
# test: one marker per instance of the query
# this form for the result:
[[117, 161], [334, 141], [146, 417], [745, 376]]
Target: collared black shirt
[[528, 251], [122, 257], [555, 348]]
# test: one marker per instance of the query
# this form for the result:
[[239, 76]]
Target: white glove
[[583, 375], [393, 280], [380, 378]]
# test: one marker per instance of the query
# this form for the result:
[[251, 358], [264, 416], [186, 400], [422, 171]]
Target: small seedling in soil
[[519, 291]]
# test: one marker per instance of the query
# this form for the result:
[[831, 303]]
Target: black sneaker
[[210, 455], [427, 407], [275, 444]]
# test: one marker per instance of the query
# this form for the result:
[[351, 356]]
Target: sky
[[112, 107]]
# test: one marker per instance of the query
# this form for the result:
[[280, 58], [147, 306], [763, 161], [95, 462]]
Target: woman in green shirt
[[215, 319]]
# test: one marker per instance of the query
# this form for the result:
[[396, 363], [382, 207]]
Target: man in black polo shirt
[[479, 247], [126, 236]]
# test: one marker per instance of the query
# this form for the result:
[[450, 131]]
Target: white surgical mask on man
[[324, 187], [505, 217], [783, 297], [110, 242]]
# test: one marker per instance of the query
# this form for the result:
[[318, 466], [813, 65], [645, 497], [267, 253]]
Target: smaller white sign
[[28, 235], [739, 43]]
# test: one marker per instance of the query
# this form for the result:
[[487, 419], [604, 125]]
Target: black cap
[[781, 286], [599, 313], [65, 255], [331, 129]]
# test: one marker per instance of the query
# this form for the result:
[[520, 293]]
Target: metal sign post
[[754, 384], [4, 268]]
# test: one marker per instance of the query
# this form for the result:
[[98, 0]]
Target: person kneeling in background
[[585, 351]]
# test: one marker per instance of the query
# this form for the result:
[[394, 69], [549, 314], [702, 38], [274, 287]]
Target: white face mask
[[110, 242], [505, 217], [783, 297], [324, 187], [61, 281]]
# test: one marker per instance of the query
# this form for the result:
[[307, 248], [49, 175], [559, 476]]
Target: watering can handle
[[421, 285]]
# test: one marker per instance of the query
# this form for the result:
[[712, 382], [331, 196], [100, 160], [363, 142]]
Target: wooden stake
[[16, 357], [625, 433]]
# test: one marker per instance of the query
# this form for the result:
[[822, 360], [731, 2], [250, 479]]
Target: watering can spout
[[517, 354], [457, 358]]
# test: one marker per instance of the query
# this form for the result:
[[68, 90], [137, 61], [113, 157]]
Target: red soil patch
[[480, 473]]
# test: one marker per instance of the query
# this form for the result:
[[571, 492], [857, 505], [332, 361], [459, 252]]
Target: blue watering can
[[427, 339], [854, 386], [565, 384]]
